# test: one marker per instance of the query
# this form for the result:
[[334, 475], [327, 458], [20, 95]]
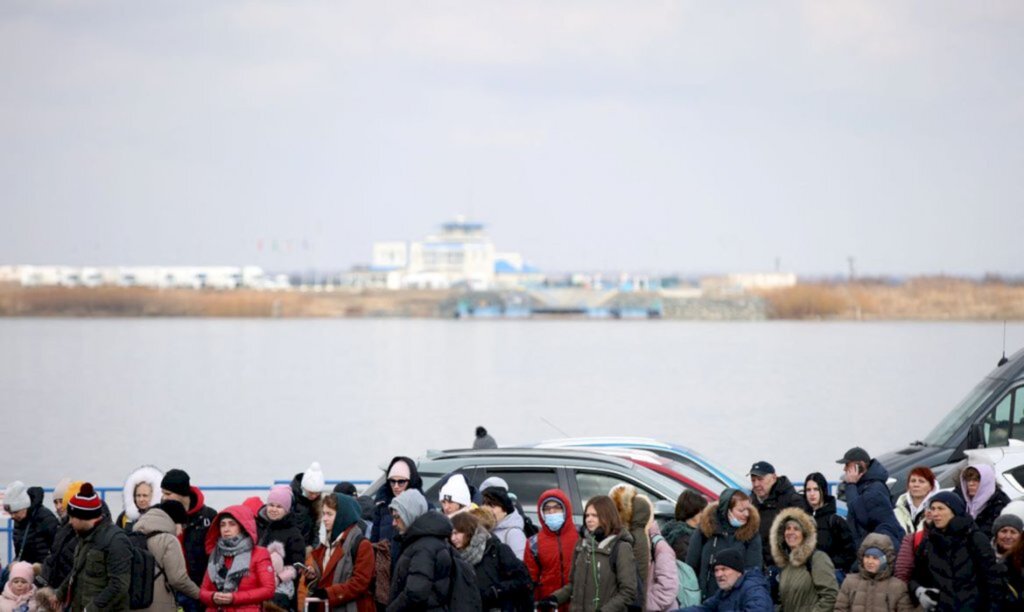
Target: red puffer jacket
[[258, 585], [551, 566]]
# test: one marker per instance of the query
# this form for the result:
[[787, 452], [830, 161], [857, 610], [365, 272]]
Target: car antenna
[[555, 427], [1003, 359]]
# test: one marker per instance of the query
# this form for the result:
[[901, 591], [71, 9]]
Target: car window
[[526, 483], [996, 425], [592, 484], [1018, 413], [1016, 478]]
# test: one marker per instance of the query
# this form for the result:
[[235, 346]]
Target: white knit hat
[[456, 490], [313, 479], [16, 496]]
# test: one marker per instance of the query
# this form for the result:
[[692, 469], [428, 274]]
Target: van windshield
[[964, 411]]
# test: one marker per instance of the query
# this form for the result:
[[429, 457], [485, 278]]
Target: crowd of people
[[304, 547]]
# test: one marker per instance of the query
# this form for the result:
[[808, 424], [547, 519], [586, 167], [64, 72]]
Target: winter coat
[[421, 580], [502, 578], [750, 594], [61, 559], [483, 442], [662, 586], [510, 533], [781, 496], [714, 534], [802, 587], [383, 530], [989, 512], [131, 513], [284, 531], [172, 576], [102, 570], [257, 586], [548, 554], [677, 534], [881, 592], [869, 507], [194, 534], [9, 602], [33, 535], [905, 557], [910, 520], [306, 513], [834, 537], [352, 593], [960, 563], [634, 514], [616, 586]]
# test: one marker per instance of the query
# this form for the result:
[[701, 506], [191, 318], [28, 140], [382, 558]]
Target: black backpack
[[143, 572], [463, 592]]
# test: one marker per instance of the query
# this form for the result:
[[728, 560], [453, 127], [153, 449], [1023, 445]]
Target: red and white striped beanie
[[86, 504]]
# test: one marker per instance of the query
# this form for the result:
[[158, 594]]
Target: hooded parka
[[802, 587], [634, 514], [881, 592], [988, 502], [714, 534], [548, 554], [421, 580], [171, 577], [146, 474], [960, 563], [257, 586], [598, 583]]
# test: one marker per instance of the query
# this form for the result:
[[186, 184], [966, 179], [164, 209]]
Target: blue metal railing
[[7, 531]]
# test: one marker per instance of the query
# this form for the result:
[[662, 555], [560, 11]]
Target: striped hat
[[86, 504]]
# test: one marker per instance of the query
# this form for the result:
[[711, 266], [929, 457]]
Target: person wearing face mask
[[910, 506], [731, 523], [834, 538], [982, 496], [275, 522], [549, 553], [874, 588], [807, 579], [604, 572]]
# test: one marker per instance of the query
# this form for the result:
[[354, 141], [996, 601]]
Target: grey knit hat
[[16, 496], [1007, 520]]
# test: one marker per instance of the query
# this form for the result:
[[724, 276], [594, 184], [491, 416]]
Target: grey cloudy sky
[[666, 136]]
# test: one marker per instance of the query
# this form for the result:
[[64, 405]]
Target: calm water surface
[[249, 401]]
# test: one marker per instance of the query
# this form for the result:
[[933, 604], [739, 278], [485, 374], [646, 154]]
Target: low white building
[[156, 277]]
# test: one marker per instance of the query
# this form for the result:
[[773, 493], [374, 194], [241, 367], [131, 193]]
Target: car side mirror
[[976, 436]]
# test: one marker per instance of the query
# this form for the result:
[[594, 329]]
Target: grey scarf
[[474, 551], [239, 547]]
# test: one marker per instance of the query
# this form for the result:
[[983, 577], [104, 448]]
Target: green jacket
[[593, 585], [101, 573], [800, 589]]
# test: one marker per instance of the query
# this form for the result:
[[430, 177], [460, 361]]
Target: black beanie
[[177, 481], [730, 557], [346, 488], [480, 432], [173, 509], [496, 496]]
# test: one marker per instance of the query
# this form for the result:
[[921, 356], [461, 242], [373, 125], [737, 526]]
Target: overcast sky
[[661, 136]]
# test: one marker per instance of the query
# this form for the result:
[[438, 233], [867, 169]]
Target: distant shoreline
[[924, 299]]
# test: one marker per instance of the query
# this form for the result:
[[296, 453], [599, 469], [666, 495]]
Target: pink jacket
[[663, 580]]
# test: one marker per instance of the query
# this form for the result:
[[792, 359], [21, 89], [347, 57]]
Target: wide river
[[251, 401]]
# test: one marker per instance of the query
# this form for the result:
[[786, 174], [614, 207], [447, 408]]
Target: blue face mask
[[736, 522], [555, 520]]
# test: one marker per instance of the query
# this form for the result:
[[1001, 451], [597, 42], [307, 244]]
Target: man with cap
[[454, 495], [97, 581], [34, 525], [160, 524], [772, 495], [421, 577], [738, 589], [868, 502], [177, 485]]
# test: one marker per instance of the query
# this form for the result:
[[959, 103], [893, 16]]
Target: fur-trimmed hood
[[883, 543], [715, 519], [635, 509], [781, 553], [148, 474]]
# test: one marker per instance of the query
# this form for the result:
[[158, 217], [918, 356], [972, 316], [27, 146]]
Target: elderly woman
[[141, 491], [502, 579], [982, 496], [910, 506], [807, 580], [954, 567], [239, 574], [604, 572]]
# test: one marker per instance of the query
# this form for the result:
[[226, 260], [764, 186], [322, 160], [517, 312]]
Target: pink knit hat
[[281, 495], [22, 569]]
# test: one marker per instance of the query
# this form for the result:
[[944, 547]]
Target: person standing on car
[[772, 495], [834, 538], [910, 506], [868, 503], [982, 496], [483, 439]]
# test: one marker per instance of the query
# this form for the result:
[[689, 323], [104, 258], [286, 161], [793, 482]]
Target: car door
[[589, 482]]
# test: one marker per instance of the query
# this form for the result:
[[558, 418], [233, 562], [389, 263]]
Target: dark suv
[[989, 416]]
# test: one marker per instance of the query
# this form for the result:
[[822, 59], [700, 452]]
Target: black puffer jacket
[[834, 537], [781, 496], [421, 578], [307, 513], [284, 531], [193, 538], [959, 562], [33, 535], [503, 579]]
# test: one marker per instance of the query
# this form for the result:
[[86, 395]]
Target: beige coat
[[880, 593], [166, 550]]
